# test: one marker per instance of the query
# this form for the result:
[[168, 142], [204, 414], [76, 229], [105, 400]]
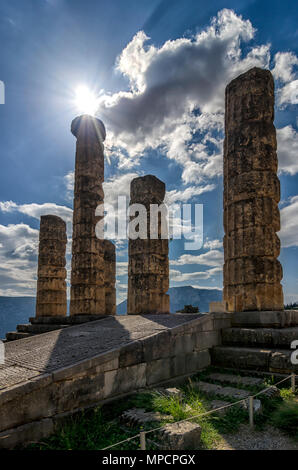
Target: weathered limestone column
[[148, 270], [87, 271], [252, 273], [110, 277], [51, 274]]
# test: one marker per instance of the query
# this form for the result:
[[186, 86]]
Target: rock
[[180, 436], [148, 270], [139, 417], [252, 272], [215, 404]]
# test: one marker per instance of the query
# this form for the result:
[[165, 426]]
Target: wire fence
[[142, 434]]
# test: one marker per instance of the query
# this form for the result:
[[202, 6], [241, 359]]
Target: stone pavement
[[31, 357]]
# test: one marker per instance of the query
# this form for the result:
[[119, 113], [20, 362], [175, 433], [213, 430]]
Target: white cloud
[[122, 268], [37, 210], [186, 194], [18, 259], [210, 258], [118, 185], [178, 276], [286, 72], [213, 244], [27, 251], [287, 150], [167, 83], [288, 94], [289, 223], [69, 184], [284, 64]]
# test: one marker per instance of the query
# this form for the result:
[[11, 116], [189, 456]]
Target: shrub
[[189, 309], [286, 418]]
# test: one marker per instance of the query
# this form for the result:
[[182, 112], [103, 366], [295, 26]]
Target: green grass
[[285, 417], [87, 431], [101, 427]]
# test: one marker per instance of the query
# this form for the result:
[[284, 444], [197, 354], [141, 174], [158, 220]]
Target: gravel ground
[[245, 439]]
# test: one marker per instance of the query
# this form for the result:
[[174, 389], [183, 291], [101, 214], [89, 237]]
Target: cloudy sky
[[159, 68]]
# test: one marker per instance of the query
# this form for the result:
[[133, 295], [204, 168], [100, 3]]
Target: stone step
[[137, 417], [231, 393], [270, 319], [67, 320], [259, 359], [39, 328], [14, 335], [236, 380], [270, 337], [244, 382], [220, 404]]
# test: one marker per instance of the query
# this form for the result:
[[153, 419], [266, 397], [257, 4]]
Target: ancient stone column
[[87, 270], [51, 274], [110, 277], [252, 273], [148, 270]]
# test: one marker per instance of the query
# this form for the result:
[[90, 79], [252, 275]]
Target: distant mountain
[[185, 295], [15, 310]]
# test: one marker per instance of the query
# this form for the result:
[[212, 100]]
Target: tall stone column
[[148, 270], [51, 274], [252, 272], [87, 271], [110, 277]]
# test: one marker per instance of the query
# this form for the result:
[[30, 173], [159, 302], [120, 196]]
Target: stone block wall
[[36, 406]]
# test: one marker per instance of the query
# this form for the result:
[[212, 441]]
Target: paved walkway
[[36, 355]]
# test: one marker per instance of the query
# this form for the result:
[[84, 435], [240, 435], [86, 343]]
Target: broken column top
[[52, 227], [88, 126], [250, 97], [52, 219], [147, 189]]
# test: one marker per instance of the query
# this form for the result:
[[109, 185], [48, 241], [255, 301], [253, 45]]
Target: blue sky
[[160, 69]]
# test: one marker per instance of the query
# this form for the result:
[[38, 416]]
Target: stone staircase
[[221, 389], [259, 341]]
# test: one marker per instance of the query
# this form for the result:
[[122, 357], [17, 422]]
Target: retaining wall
[[31, 410]]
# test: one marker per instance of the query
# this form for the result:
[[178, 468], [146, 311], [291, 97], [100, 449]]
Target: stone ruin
[[88, 265], [127, 354], [252, 272], [148, 270], [51, 274]]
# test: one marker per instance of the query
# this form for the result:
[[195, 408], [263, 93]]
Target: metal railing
[[250, 400]]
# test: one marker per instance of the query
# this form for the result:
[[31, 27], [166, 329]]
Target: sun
[[86, 101]]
